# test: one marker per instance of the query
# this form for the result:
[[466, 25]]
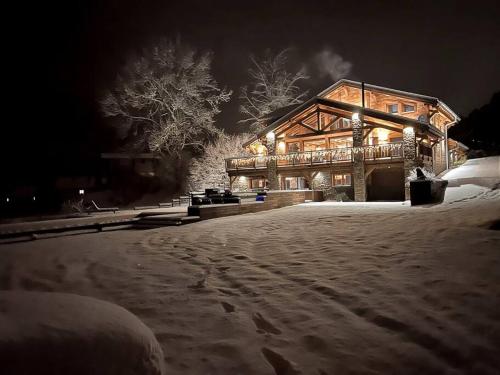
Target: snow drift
[[56, 333], [474, 179]]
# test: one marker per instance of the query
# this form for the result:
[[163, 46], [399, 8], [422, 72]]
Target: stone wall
[[323, 181], [240, 183], [410, 156], [358, 165], [272, 165], [274, 199]]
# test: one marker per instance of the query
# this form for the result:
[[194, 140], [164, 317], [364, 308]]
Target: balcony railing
[[387, 151]]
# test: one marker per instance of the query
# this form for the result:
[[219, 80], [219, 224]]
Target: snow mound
[[483, 172], [475, 179], [55, 333]]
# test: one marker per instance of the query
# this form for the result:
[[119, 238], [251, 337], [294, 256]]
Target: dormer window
[[392, 108], [408, 108]]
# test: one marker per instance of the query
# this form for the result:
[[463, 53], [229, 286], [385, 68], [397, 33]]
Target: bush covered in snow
[[55, 333]]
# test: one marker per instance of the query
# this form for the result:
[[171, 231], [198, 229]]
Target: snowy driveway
[[324, 288]]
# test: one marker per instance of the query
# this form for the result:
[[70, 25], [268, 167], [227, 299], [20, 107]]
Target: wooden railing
[[321, 157]]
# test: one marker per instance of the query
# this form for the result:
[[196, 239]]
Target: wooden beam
[[367, 133], [333, 113], [286, 128], [331, 122], [320, 133], [377, 125], [308, 127]]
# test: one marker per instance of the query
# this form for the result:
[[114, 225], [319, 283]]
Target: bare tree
[[209, 170], [272, 87], [166, 100]]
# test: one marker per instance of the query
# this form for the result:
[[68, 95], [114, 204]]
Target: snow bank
[[474, 179], [483, 172], [56, 333]]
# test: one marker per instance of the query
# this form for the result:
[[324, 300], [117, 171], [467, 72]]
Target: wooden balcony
[[389, 152]]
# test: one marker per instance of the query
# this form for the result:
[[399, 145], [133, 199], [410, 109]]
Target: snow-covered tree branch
[[166, 100], [272, 87], [209, 170]]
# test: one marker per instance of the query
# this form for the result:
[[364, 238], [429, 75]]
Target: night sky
[[64, 55]]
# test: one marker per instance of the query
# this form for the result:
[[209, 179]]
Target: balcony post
[[409, 156], [272, 164], [358, 162]]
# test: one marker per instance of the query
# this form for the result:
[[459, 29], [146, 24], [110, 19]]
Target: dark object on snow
[[214, 196], [198, 200], [95, 208], [420, 174], [261, 196], [425, 190]]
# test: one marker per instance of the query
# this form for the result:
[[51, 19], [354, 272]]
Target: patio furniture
[[95, 208]]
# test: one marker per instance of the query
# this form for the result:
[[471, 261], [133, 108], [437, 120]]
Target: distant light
[[7, 200], [355, 116], [81, 191], [34, 198], [270, 136]]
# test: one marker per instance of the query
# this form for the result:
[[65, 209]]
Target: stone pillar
[[410, 156], [323, 181], [358, 160], [272, 164]]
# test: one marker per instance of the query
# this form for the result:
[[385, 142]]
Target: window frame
[[414, 105], [344, 179], [388, 105]]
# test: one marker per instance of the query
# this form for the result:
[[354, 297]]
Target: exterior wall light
[[355, 116], [81, 191], [270, 136], [408, 130], [7, 200]]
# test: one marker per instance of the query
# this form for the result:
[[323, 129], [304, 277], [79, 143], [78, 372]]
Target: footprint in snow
[[228, 307], [264, 325]]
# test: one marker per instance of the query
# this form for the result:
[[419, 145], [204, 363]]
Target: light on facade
[[408, 130], [7, 200], [270, 136], [355, 116], [81, 191], [281, 147], [383, 135]]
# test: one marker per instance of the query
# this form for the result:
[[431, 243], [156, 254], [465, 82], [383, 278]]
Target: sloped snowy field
[[326, 288]]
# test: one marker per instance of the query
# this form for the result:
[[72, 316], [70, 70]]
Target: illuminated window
[[392, 108], [341, 180], [408, 108], [342, 123], [257, 183], [340, 142]]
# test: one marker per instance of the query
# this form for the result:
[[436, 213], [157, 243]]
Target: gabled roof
[[277, 118], [405, 94], [346, 107]]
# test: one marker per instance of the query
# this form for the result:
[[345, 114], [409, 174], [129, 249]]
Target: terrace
[[385, 153]]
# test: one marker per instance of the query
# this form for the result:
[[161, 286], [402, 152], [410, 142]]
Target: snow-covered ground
[[319, 288]]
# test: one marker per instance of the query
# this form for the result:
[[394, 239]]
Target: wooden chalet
[[352, 140]]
